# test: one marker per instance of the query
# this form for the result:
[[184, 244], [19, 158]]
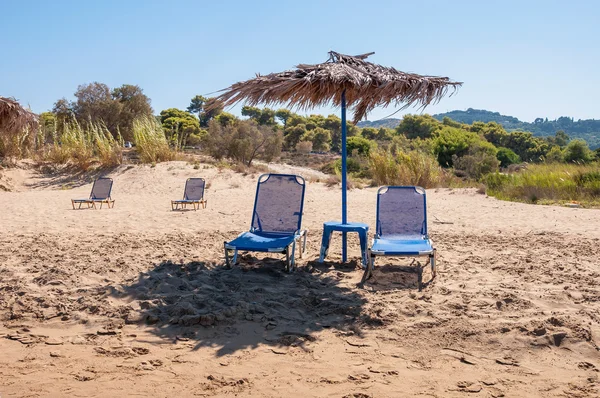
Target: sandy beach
[[136, 301]]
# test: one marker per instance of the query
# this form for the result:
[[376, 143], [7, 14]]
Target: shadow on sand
[[397, 277], [67, 177], [254, 303]]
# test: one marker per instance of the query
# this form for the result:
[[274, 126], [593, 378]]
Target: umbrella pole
[[344, 203]]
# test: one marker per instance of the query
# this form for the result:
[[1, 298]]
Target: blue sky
[[522, 58]]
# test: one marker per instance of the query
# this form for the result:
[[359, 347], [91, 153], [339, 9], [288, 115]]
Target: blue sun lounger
[[193, 194], [401, 228], [100, 194], [276, 219]]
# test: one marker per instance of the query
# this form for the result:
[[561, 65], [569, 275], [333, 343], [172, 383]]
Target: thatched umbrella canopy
[[366, 85], [342, 80], [13, 117]]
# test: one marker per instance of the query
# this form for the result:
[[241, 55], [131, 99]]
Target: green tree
[[197, 105], [560, 138], [451, 142], [133, 104], [421, 126], [369, 133], [293, 134], [226, 118], [283, 115], [555, 155], [577, 151], [384, 134], [320, 137], [481, 159], [264, 117], [361, 145], [212, 107], [97, 104], [507, 157], [179, 125], [243, 141]]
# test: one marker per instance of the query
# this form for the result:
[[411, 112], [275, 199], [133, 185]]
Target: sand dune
[[135, 300]]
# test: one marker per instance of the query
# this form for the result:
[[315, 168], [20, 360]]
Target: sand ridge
[[135, 300]]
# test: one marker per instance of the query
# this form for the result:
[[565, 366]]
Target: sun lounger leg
[[419, 276], [227, 261], [302, 243], [432, 259], [288, 265], [293, 258], [370, 267]]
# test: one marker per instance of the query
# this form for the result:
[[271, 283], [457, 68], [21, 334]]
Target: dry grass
[[336, 180], [548, 183], [83, 147], [150, 141], [411, 168]]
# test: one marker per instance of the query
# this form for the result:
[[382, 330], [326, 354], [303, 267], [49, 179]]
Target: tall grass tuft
[[16, 145], [410, 168], [150, 141], [548, 183], [84, 147]]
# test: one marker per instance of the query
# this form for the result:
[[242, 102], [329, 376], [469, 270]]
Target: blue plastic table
[[330, 226]]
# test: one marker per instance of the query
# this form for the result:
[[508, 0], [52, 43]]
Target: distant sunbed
[[276, 219], [193, 194], [100, 194], [401, 227]]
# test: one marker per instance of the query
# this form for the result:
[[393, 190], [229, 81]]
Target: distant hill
[[588, 130], [387, 123]]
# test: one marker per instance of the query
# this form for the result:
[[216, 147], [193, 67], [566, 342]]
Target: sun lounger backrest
[[401, 211], [101, 188], [194, 189], [278, 204]]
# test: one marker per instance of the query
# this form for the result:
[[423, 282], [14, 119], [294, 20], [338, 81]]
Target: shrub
[[507, 157], [384, 168], [320, 138], [362, 146], [554, 155], [479, 160], [243, 141], [577, 151], [304, 147], [352, 165], [452, 143]]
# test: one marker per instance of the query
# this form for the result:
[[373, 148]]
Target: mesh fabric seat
[[193, 194], [401, 227], [100, 194], [276, 219]]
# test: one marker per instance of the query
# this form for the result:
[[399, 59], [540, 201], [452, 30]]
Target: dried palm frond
[[15, 118], [367, 86]]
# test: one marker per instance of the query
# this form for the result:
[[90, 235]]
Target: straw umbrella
[[342, 80], [13, 117]]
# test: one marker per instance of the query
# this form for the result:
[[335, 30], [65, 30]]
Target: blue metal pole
[[344, 203]]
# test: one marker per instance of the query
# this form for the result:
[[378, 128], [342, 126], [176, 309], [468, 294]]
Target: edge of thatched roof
[[14, 117], [367, 86]]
